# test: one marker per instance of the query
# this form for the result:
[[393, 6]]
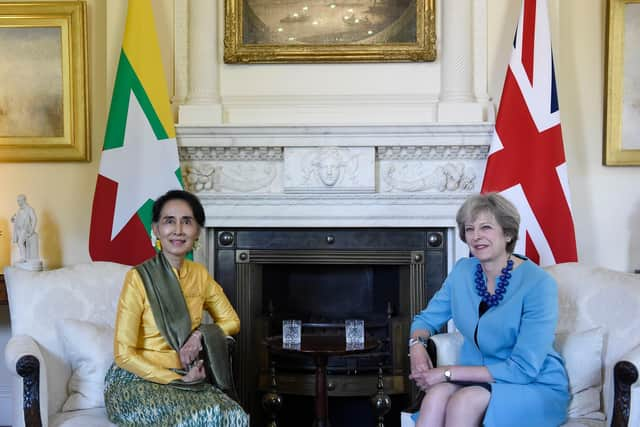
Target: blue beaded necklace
[[503, 282]]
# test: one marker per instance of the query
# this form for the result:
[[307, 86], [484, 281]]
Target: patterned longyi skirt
[[132, 401]]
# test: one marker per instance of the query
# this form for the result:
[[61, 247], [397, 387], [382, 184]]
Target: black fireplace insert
[[323, 277]]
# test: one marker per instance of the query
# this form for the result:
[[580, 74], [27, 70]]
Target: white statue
[[25, 236]]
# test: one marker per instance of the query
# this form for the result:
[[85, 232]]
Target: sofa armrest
[[443, 349], [447, 348], [625, 374], [24, 359], [231, 348]]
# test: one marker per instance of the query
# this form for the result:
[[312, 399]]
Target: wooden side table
[[320, 347]]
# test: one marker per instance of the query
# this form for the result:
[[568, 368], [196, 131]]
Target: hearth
[[323, 276]]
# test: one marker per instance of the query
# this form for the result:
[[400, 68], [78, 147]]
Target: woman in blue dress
[[506, 308]]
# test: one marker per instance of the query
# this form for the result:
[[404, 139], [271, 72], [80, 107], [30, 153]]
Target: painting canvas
[[631, 79], [290, 22], [329, 30], [44, 103], [622, 84], [31, 100]]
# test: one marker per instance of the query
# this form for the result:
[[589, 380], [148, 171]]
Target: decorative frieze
[[232, 177], [442, 177], [432, 152], [199, 177], [333, 160], [247, 178], [207, 153]]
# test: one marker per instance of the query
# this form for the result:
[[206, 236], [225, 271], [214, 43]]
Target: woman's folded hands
[[189, 357]]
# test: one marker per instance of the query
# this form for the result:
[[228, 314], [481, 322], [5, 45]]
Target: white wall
[[605, 201], [601, 196], [60, 193]]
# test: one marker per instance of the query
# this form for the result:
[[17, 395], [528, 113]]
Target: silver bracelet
[[419, 340]]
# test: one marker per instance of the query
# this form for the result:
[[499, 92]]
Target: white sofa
[[39, 304], [598, 333], [62, 342]]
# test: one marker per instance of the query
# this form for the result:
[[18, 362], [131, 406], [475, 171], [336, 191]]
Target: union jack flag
[[526, 161]]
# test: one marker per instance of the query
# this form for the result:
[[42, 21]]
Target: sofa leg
[[624, 375], [28, 368]]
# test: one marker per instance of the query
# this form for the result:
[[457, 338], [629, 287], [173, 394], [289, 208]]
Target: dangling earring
[[158, 245], [196, 245]]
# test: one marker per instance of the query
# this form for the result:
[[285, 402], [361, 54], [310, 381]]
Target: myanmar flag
[[140, 155]]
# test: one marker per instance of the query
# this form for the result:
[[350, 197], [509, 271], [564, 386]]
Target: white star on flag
[[144, 167]]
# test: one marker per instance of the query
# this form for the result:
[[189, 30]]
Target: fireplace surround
[[338, 190], [333, 176], [323, 276]]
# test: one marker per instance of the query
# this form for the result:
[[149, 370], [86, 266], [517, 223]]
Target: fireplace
[[373, 204], [323, 276]]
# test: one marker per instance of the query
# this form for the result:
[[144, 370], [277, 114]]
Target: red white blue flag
[[526, 162]]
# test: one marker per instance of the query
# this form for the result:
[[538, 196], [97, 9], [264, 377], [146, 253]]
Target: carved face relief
[[328, 165]]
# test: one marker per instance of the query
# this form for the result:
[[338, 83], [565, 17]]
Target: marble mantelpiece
[[334, 176]]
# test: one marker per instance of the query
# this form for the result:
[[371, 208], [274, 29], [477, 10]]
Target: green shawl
[[174, 323]]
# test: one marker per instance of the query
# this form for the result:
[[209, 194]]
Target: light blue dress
[[515, 342]]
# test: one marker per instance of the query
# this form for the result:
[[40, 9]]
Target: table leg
[[322, 400]]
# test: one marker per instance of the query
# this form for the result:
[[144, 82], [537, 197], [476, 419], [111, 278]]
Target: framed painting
[[622, 84], [44, 95], [329, 31]]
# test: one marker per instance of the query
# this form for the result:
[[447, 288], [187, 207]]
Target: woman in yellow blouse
[[164, 372]]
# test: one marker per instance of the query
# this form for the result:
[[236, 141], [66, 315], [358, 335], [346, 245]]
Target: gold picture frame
[[622, 84], [44, 105], [264, 31]]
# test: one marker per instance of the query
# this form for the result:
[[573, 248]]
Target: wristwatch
[[447, 375]]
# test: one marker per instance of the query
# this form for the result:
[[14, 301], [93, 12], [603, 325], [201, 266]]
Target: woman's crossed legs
[[452, 405]]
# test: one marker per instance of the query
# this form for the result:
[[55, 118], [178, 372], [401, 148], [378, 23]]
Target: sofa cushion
[[584, 422], [582, 353], [96, 417], [89, 349], [586, 404], [39, 299]]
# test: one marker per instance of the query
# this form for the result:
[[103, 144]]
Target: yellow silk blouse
[[138, 345]]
